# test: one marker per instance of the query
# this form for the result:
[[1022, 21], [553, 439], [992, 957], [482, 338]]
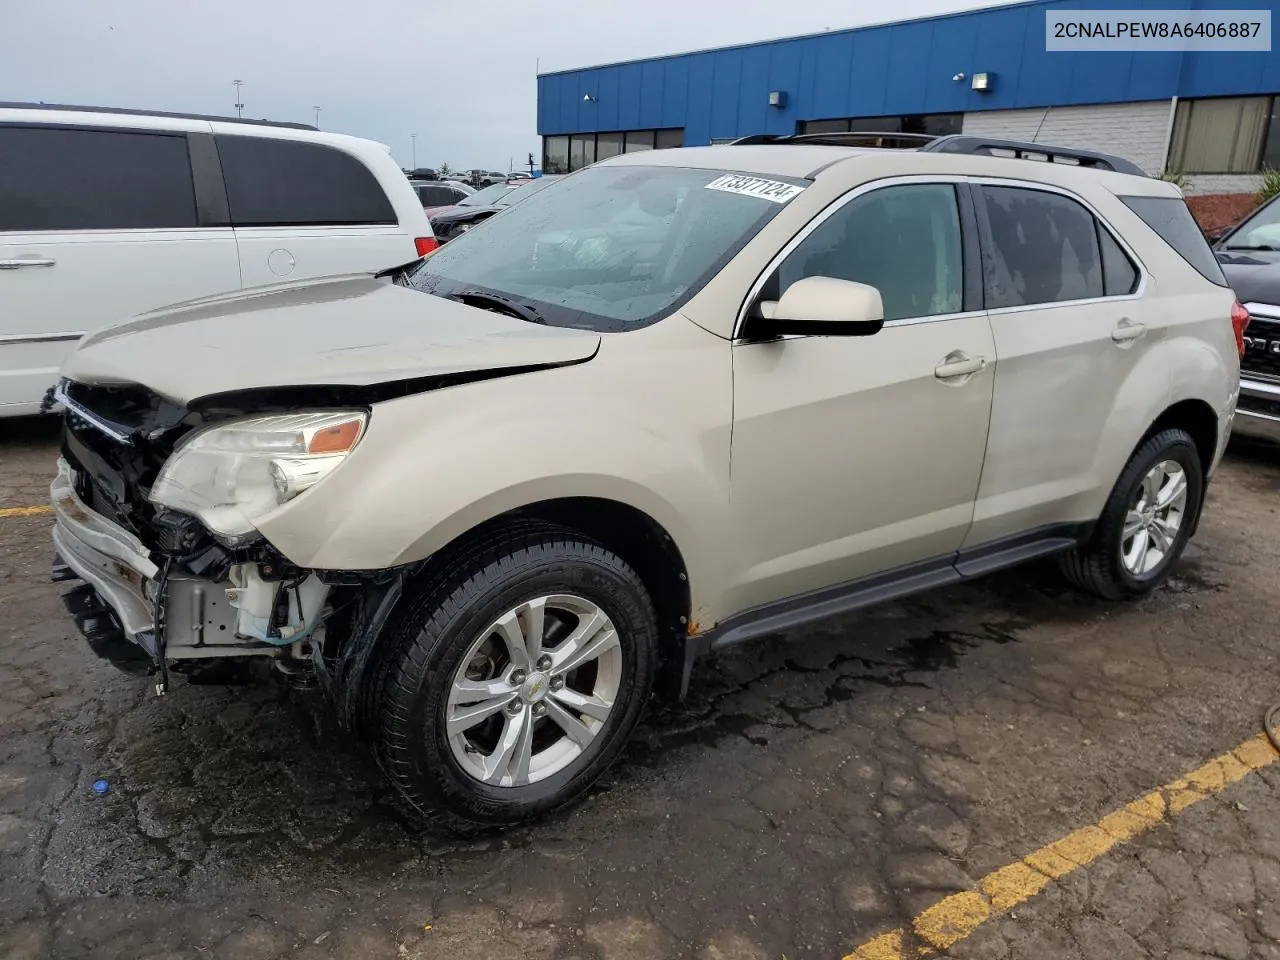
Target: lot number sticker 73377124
[[774, 190]]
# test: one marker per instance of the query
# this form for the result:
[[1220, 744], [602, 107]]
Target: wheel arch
[[624, 529]]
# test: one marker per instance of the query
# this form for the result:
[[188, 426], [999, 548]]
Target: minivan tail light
[[1239, 323], [426, 245]]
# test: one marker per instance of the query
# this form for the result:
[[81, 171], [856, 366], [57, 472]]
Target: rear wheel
[[513, 684], [1146, 522]]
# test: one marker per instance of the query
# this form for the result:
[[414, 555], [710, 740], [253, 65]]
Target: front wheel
[[515, 682], [1146, 522]]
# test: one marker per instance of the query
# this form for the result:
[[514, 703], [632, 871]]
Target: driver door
[[853, 456]]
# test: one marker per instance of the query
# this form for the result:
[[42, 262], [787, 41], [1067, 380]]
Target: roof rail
[[984, 146], [844, 138], [954, 143], [6, 105]]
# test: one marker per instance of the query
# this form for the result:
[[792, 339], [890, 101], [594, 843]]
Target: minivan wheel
[[512, 684], [1146, 522]]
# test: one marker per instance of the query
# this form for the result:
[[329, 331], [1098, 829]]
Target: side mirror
[[825, 306]]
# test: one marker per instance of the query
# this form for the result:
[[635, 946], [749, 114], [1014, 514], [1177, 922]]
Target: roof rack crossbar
[[129, 112], [959, 143]]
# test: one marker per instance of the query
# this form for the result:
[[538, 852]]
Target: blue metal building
[[1166, 110]]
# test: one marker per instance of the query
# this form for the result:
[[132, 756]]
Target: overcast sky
[[460, 75]]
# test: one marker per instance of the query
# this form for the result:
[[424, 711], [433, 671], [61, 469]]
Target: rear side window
[[1042, 248], [1169, 217], [83, 179], [433, 196], [1119, 275], [293, 183]]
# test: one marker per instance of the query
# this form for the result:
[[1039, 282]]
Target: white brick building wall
[[1211, 183], [1135, 131]]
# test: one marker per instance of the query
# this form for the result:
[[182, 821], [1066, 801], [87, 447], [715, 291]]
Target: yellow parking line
[[24, 511], [952, 919]]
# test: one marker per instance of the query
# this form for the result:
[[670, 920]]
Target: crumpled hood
[[352, 331]]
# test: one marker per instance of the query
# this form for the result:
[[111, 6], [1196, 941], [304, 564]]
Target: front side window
[[433, 196], [84, 179], [610, 248], [274, 183], [1041, 248], [904, 241]]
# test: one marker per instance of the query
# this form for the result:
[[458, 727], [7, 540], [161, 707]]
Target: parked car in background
[[435, 194], [107, 213], [491, 501], [1250, 256], [450, 222]]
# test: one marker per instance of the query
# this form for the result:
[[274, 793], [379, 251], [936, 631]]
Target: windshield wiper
[[481, 299], [1241, 246]]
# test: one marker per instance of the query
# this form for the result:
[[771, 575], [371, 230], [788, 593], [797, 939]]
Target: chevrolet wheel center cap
[[535, 688]]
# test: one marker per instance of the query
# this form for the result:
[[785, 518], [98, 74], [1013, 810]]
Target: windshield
[[609, 248], [1260, 232]]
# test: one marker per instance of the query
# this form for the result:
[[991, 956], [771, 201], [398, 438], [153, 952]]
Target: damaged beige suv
[[494, 499]]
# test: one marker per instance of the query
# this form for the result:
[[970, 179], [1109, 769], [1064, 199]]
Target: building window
[[1224, 135], [568, 153], [555, 154], [935, 124]]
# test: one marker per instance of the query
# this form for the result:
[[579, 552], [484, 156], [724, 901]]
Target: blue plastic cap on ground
[[101, 786]]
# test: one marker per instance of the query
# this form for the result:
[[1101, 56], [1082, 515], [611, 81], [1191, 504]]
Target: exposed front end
[[159, 588]]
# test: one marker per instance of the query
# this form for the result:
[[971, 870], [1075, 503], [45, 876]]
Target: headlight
[[232, 475]]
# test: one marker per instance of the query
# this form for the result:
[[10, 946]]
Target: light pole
[[239, 106], [413, 138], [317, 110]]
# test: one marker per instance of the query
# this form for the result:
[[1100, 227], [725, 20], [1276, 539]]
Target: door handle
[[1127, 331], [17, 262], [957, 364]]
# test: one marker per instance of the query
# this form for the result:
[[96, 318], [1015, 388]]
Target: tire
[[451, 634], [1100, 566]]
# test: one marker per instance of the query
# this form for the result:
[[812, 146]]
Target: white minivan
[[108, 213]]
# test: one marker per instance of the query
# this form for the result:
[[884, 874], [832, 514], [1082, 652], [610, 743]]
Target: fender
[[433, 466]]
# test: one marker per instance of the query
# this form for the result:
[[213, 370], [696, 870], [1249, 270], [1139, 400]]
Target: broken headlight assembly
[[232, 475]]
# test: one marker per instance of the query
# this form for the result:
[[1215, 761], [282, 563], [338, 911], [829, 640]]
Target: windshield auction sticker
[[1137, 30], [774, 190]]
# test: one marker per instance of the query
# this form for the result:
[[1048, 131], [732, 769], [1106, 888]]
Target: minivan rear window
[[1169, 217], [274, 183], [59, 178]]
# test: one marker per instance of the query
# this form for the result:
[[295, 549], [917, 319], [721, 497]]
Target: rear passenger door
[[303, 209], [1062, 294], [96, 225]]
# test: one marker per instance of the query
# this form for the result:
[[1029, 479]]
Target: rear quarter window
[[1170, 218], [55, 178], [294, 183]]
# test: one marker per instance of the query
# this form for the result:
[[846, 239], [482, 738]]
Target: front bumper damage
[[145, 616]]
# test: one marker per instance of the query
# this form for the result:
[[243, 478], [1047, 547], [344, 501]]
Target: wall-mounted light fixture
[[983, 82], [958, 77], [778, 98], [588, 98]]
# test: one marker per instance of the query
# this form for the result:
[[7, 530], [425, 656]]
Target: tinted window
[[905, 241], [93, 180], [1119, 275], [434, 196], [286, 182], [1043, 248], [1169, 217]]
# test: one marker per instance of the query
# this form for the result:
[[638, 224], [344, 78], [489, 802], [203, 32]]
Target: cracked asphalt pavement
[[815, 791]]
